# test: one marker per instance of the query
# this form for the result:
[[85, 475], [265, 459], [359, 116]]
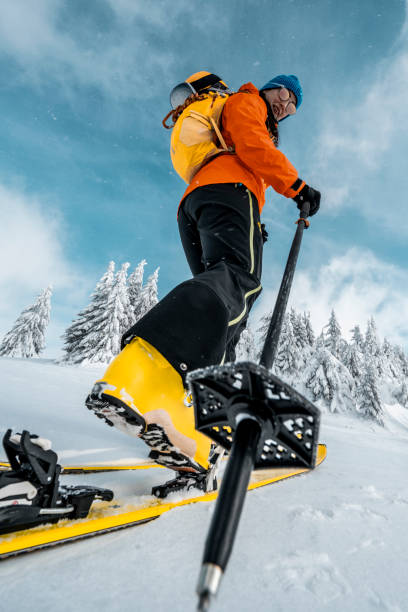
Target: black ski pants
[[199, 322]]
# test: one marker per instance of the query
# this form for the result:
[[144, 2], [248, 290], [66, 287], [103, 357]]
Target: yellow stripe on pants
[[251, 250]]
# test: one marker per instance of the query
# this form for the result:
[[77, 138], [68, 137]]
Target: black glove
[[308, 194], [264, 233]]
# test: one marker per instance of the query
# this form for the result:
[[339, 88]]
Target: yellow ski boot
[[143, 395]]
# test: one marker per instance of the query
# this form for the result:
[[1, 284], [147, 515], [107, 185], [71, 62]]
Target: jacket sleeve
[[245, 119]]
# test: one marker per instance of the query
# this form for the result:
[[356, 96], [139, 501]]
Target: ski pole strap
[[305, 221]]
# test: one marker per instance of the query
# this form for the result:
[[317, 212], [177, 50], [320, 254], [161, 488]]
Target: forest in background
[[360, 376]]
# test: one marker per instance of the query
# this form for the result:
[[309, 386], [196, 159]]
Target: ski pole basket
[[224, 395]]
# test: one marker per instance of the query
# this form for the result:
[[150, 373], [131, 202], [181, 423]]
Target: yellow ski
[[109, 516]]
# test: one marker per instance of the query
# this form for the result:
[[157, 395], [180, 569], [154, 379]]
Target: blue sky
[[85, 174]]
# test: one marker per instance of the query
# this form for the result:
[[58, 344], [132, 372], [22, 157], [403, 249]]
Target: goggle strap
[[206, 81]]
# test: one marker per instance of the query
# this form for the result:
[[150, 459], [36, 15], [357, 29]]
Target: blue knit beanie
[[290, 81]]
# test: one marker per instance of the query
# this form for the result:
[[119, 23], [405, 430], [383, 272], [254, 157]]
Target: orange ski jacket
[[256, 162]]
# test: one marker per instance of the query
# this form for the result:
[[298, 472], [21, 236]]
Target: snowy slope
[[335, 539]]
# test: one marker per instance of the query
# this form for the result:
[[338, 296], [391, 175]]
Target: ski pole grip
[[304, 213], [305, 210]]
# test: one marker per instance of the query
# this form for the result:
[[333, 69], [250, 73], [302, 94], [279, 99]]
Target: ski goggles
[[180, 93], [284, 95]]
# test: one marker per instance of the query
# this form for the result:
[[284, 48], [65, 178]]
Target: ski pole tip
[[204, 602], [208, 583]]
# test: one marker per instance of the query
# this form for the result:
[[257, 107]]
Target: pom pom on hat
[[290, 81]]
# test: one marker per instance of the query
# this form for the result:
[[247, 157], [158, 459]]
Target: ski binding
[[30, 494]]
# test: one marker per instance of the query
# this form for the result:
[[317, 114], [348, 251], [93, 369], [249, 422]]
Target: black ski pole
[[275, 326], [229, 505], [224, 524]]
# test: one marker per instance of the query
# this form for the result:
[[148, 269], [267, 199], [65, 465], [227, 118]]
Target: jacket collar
[[249, 88]]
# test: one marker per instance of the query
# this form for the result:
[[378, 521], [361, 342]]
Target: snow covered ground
[[333, 540]]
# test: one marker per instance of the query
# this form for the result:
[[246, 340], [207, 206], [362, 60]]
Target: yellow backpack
[[197, 105]]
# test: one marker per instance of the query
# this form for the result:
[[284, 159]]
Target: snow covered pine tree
[[246, 348], [332, 337], [27, 336], [82, 337], [288, 354], [94, 336], [369, 403], [149, 295], [135, 287], [361, 376], [102, 342]]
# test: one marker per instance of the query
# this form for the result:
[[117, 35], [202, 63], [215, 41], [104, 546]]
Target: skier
[[199, 322]]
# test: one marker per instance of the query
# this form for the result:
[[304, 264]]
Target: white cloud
[[31, 252], [34, 36], [112, 53], [367, 140], [155, 13], [357, 285]]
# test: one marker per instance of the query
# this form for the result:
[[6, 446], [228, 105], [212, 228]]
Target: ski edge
[[67, 540], [94, 469], [29, 541]]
